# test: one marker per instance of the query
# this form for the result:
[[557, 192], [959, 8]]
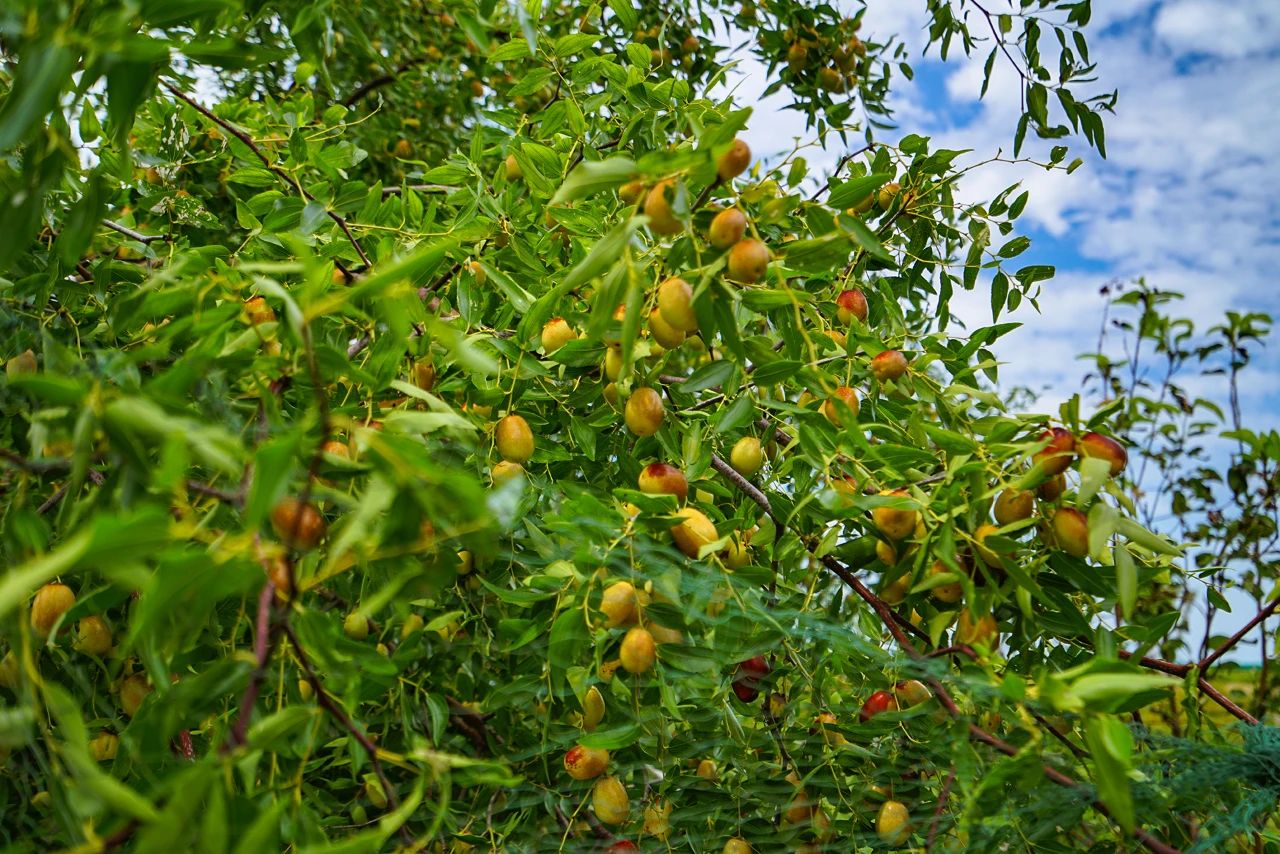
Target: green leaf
[[594, 176], [41, 73], [709, 376], [852, 192], [1111, 747]]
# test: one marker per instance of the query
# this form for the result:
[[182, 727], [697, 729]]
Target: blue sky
[[1189, 196]]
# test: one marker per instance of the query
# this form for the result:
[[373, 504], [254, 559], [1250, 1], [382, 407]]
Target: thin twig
[[942, 805], [134, 235], [381, 80], [263, 644], [274, 169], [1235, 638]]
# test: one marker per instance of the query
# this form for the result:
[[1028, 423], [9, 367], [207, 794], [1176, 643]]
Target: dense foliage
[[427, 426]]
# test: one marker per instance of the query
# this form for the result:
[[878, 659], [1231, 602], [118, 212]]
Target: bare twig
[[382, 80], [942, 806], [134, 235], [1235, 638], [263, 644]]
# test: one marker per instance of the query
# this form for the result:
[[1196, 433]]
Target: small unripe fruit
[[505, 470], [514, 439], [707, 770], [675, 304], [466, 562], [556, 333], [23, 363], [612, 363], [644, 411], [842, 407], [727, 228], [973, 631], [586, 763], [514, 172], [734, 161], [748, 261], [403, 148], [880, 701], [638, 651], [989, 557], [736, 554], [895, 592], [947, 593], [104, 746], [609, 801], [337, 449], [258, 312], [663, 479], [592, 709], [1058, 453], [1014, 505], [889, 365], [694, 531], [663, 332], [850, 304], [893, 823], [657, 819], [1104, 447], [662, 219], [424, 374], [1052, 489], [50, 603], [1070, 531], [887, 194], [297, 525], [631, 192], [747, 456], [894, 523], [797, 57], [476, 269], [831, 79], [620, 604], [133, 691], [412, 623], [737, 845], [356, 626], [93, 637], [373, 791], [305, 691], [911, 692]]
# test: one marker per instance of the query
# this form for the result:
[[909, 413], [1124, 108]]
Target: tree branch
[[134, 235]]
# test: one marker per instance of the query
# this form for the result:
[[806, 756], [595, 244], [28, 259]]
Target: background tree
[[428, 426]]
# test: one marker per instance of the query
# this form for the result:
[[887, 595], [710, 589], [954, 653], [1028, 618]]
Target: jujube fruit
[[663, 332], [893, 823], [734, 161], [1094, 444], [1070, 531], [514, 172], [973, 630], [297, 525], [675, 304], [505, 470], [893, 522], [851, 303], [842, 405], [747, 456], [1057, 455], [48, 606], [619, 603], [514, 439], [93, 636], [638, 651], [585, 763], [1014, 505], [556, 333], [133, 690], [609, 801], [694, 531], [889, 365], [748, 261], [644, 411], [878, 702], [727, 228], [663, 479], [356, 626], [662, 219]]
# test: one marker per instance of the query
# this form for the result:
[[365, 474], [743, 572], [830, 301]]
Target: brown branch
[[1221, 699], [1170, 667], [418, 188], [1235, 638], [263, 644], [942, 805], [471, 723], [214, 492], [331, 706], [274, 169], [381, 80]]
